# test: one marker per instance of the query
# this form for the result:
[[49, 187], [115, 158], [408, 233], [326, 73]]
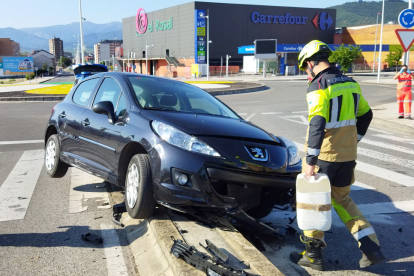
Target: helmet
[[310, 49]]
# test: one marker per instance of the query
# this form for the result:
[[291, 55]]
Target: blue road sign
[[406, 18]]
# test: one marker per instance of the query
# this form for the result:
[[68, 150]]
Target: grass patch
[[62, 89]]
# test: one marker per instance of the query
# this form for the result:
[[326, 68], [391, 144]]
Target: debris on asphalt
[[117, 211], [209, 265], [99, 217], [405, 244], [183, 231], [215, 251], [400, 230], [290, 230], [106, 203], [20, 198], [92, 238]]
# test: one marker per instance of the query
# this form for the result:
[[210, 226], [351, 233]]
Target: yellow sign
[[201, 31], [194, 69]]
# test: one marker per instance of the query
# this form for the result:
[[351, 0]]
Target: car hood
[[209, 125]]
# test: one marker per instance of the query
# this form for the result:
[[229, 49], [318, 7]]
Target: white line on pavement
[[374, 129], [399, 178], [21, 142], [115, 263], [271, 113], [300, 119], [300, 111], [82, 188], [387, 207], [358, 186], [387, 146], [241, 114], [386, 158], [16, 191], [395, 138], [251, 116]]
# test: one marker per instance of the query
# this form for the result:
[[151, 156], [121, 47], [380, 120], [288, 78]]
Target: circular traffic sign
[[406, 18]]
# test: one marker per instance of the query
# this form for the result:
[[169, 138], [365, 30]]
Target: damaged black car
[[170, 143]]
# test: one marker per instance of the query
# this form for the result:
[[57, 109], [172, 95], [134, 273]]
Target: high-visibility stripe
[[339, 124], [335, 110], [342, 213], [360, 137], [312, 151], [363, 233], [356, 102]]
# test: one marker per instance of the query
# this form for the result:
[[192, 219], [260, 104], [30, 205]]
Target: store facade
[[178, 35]]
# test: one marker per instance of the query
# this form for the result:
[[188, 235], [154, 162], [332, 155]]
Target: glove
[[401, 71], [408, 71]]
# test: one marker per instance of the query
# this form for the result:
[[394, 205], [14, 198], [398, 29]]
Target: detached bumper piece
[[212, 266]]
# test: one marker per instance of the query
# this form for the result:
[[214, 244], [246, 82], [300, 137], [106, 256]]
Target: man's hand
[[310, 170]]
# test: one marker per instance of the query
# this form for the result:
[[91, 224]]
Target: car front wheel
[[54, 167], [139, 193]]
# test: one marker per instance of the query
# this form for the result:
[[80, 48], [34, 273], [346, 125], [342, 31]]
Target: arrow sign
[[406, 18], [406, 38]]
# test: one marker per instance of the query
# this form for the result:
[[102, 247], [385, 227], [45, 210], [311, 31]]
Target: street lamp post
[[380, 50], [81, 32], [375, 48], [146, 55]]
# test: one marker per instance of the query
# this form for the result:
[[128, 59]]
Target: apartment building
[[9, 47], [56, 47], [105, 49]]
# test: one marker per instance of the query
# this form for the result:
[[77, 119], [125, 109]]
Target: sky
[[41, 13]]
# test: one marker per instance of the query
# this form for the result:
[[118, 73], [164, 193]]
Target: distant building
[[105, 49], [41, 57], [68, 55], [9, 47], [56, 47], [88, 59], [119, 52]]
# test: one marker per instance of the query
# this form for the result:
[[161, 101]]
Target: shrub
[[30, 76]]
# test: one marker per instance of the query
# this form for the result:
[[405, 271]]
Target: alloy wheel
[[132, 185], [50, 155]]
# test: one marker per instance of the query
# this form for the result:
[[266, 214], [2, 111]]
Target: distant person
[[339, 117], [404, 95]]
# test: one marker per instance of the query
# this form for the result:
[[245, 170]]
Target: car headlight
[[182, 140], [292, 150]]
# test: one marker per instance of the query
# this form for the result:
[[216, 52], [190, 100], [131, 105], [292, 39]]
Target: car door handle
[[62, 115], [86, 122]]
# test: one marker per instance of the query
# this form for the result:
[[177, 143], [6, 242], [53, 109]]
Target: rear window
[[154, 93]]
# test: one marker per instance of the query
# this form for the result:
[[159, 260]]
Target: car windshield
[[153, 93]]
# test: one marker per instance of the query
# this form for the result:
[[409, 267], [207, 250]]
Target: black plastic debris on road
[[92, 238]]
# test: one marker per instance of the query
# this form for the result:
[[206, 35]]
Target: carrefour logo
[[141, 21], [322, 21], [256, 17]]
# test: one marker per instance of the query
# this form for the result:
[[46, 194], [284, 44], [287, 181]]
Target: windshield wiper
[[159, 108]]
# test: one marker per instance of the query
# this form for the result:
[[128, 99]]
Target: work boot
[[371, 259], [400, 117], [312, 256], [409, 118]]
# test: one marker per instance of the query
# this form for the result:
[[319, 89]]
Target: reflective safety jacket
[[339, 117], [404, 82]]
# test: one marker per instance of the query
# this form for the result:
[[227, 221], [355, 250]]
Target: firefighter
[[339, 117], [404, 96]]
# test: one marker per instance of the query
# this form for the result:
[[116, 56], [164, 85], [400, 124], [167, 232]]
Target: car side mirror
[[106, 108]]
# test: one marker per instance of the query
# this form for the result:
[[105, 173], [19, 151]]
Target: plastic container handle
[[312, 179]]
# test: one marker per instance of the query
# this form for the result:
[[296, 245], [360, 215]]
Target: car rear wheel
[[54, 167], [139, 193]]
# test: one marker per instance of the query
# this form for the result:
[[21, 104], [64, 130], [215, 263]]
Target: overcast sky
[[40, 13]]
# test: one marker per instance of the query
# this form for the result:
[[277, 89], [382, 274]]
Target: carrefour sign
[[278, 19], [143, 25]]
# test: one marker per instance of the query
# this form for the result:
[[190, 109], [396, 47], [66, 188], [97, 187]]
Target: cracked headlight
[[182, 140], [292, 150]]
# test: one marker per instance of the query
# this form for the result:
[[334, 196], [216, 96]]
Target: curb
[[33, 99], [150, 242], [392, 126], [260, 87]]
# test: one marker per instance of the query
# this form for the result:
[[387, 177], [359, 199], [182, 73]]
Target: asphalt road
[[64, 77], [47, 240]]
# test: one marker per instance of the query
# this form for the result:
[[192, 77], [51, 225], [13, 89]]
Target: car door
[[70, 117], [100, 138]]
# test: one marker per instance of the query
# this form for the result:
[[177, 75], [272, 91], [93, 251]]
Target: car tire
[[139, 192], [55, 168]]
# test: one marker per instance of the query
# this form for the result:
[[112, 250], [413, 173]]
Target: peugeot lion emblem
[[258, 154]]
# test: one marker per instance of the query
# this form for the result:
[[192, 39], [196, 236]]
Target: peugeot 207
[[170, 143]]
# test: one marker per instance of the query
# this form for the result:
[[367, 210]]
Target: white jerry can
[[313, 202]]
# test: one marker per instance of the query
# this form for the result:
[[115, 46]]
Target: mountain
[[37, 38], [365, 13]]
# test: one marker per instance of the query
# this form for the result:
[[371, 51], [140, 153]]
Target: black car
[[170, 143]]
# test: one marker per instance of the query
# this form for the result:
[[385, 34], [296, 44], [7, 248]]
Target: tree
[[393, 58], [64, 62], [44, 67], [345, 56]]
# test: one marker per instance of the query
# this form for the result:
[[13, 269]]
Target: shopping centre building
[[178, 35], [172, 40]]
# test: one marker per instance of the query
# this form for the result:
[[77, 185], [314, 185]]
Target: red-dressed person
[[404, 95]]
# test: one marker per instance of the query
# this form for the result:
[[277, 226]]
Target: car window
[[84, 91], [121, 108], [108, 91], [155, 93]]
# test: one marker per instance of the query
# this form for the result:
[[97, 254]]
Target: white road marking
[[271, 113], [251, 116], [115, 263], [386, 158], [248, 102], [387, 146], [377, 130], [387, 207], [82, 188], [241, 114], [396, 138], [21, 142], [399, 178], [302, 120], [16, 191], [300, 111], [358, 186]]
